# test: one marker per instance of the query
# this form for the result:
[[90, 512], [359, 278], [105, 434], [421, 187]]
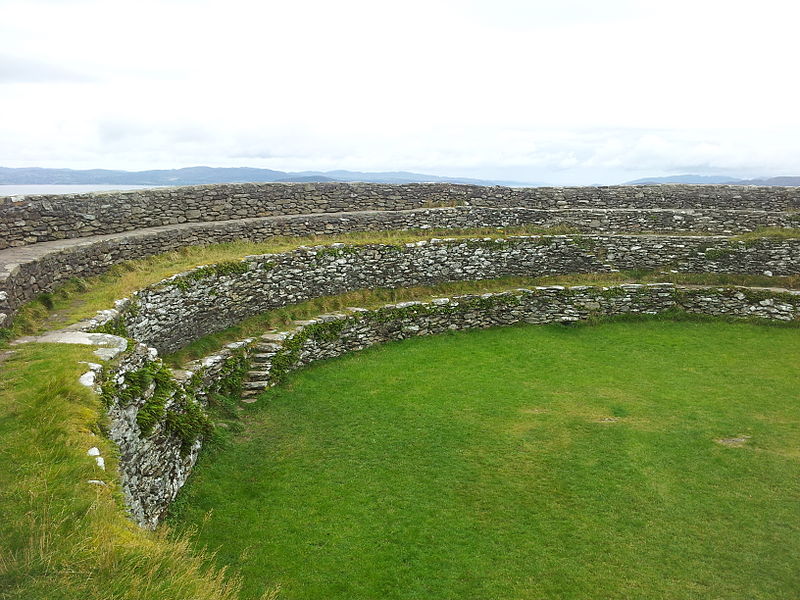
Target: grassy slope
[[477, 466], [61, 537]]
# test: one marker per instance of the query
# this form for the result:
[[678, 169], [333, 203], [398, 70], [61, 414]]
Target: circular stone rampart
[[158, 452], [188, 306], [45, 218], [47, 240]]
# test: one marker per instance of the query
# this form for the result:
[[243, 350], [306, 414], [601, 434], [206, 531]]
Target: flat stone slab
[[109, 346]]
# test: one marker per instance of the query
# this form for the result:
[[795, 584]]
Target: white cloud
[[576, 90]]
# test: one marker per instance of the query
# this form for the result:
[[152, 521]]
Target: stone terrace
[[50, 239]]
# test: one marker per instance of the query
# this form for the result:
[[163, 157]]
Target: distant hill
[[708, 179], [305, 179], [200, 175], [711, 179], [786, 181]]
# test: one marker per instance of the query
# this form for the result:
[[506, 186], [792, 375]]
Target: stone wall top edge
[[19, 198]]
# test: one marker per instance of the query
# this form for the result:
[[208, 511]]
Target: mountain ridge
[[206, 175], [202, 175], [786, 180]]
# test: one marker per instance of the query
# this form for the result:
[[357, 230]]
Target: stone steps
[[257, 378]]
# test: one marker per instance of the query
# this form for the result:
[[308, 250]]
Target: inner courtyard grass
[[648, 459]]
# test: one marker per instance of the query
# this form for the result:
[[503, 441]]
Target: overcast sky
[[562, 91]]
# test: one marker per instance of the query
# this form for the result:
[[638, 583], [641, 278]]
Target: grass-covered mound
[[649, 459]]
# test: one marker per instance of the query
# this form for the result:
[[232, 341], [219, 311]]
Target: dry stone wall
[[154, 465], [45, 218], [332, 335], [27, 271], [158, 423], [159, 419], [210, 299]]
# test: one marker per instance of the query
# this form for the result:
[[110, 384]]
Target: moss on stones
[[221, 269]]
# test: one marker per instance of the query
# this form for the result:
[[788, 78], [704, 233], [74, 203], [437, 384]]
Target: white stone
[[93, 451], [87, 379], [211, 360]]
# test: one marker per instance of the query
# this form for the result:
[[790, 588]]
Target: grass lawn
[[523, 462]]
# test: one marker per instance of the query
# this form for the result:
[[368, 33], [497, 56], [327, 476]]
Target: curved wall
[[46, 218], [153, 468], [87, 233], [209, 299], [27, 271]]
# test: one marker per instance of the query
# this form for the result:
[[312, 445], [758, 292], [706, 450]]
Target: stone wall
[[332, 335], [212, 298], [158, 420], [27, 271], [44, 218], [154, 466], [158, 423]]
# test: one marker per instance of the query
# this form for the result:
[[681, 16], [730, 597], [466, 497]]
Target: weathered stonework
[[54, 217], [30, 266], [212, 298], [154, 467], [151, 466], [155, 457]]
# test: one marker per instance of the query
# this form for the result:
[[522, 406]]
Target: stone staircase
[[267, 346], [258, 378]]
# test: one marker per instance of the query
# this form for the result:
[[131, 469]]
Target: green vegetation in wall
[[221, 269], [61, 537], [719, 253], [166, 403]]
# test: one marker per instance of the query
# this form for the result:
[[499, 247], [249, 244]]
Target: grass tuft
[[773, 233]]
